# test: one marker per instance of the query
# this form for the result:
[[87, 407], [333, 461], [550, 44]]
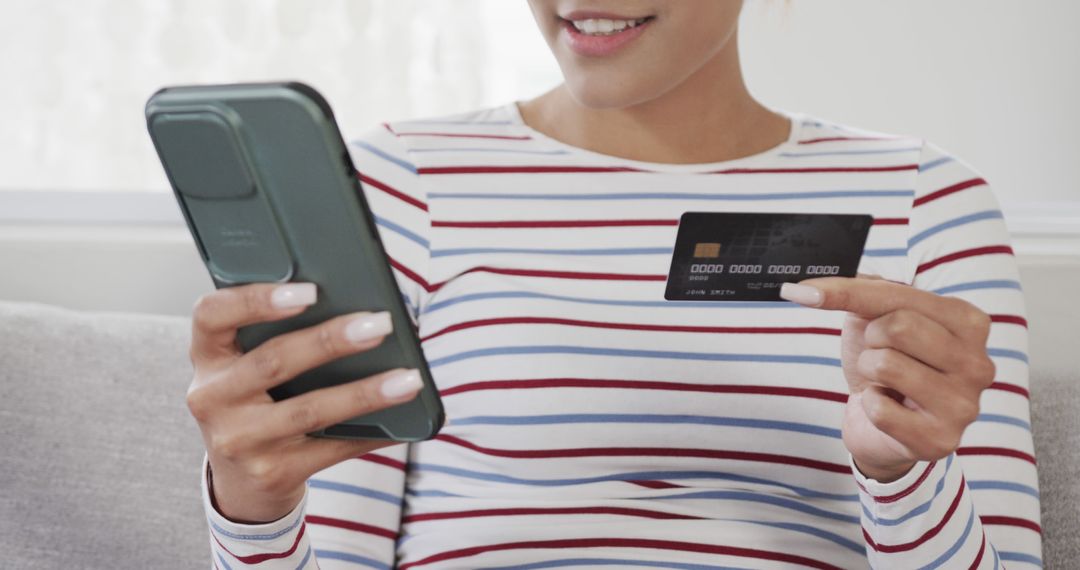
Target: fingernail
[[401, 384], [801, 294], [293, 295], [368, 326]]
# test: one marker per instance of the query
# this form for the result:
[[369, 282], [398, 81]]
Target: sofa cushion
[[100, 458]]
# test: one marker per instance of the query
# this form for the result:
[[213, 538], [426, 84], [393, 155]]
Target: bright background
[[994, 81], [87, 221]]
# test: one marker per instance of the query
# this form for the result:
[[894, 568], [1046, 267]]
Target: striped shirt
[[595, 424]]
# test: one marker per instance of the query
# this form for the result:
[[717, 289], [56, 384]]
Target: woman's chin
[[603, 91]]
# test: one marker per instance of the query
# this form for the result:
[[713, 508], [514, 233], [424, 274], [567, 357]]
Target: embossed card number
[[746, 256]]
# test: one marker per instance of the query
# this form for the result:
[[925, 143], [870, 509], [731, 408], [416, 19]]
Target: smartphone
[[270, 194]]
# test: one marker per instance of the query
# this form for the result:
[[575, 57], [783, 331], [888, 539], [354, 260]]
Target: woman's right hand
[[260, 456]]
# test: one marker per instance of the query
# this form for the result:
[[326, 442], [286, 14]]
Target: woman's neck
[[709, 117]]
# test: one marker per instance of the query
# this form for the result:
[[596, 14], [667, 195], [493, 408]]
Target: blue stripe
[[632, 476], [962, 220], [303, 562], [348, 557], [1007, 353], [400, 230], [522, 250], [271, 536], [618, 562], [1004, 486], [897, 252], [477, 149], [948, 554], [752, 197], [844, 152], [914, 512], [975, 285], [774, 500], [1002, 419], [934, 163], [385, 155], [355, 490], [1021, 557], [997, 560], [857, 547], [430, 493], [648, 419], [408, 305], [633, 353], [664, 304], [224, 565]]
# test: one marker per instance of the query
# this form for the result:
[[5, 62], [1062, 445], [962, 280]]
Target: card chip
[[707, 250]]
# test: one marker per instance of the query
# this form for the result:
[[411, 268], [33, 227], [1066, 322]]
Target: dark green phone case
[[270, 194]]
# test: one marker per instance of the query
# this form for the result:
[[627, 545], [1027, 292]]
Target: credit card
[[739, 256]]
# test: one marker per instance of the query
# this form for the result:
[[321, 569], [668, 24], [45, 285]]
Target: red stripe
[[257, 558], [998, 451], [572, 543], [648, 452], [382, 460], [526, 384], [948, 190], [389, 128], [623, 511], [1012, 319], [629, 326], [832, 139], [1012, 521], [931, 533], [608, 169], [1010, 388], [351, 525], [412, 275], [657, 485], [817, 169], [964, 254], [468, 136], [592, 223], [391, 191], [911, 489], [551, 223], [556, 275], [522, 169], [978, 557]]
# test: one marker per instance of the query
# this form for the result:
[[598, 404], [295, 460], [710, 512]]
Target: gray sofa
[[99, 460]]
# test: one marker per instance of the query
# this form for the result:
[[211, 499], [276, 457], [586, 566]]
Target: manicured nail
[[801, 294], [368, 326], [401, 384], [293, 295]]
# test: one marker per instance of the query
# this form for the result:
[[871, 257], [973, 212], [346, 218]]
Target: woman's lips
[[590, 45]]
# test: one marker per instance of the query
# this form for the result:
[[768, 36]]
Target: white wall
[[994, 81]]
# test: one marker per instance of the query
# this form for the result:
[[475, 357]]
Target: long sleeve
[[350, 514], [979, 507]]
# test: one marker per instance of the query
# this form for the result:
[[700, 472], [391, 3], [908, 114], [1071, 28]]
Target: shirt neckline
[[797, 119]]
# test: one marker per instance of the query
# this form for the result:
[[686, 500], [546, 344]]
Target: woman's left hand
[[915, 363]]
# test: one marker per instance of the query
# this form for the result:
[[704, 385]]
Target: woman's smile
[[596, 34]]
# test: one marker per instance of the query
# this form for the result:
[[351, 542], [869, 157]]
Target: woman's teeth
[[601, 27]]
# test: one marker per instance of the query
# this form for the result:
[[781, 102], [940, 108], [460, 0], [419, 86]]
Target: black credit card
[[738, 256]]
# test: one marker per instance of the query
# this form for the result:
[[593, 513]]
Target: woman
[[594, 423]]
